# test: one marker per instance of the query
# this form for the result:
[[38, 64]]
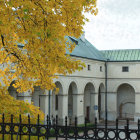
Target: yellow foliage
[[42, 26], [9, 105]]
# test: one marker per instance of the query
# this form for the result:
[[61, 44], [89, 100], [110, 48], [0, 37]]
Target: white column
[[78, 107], [26, 96], [137, 107], [96, 104], [92, 103], [103, 105], [44, 102], [62, 108], [111, 106], [35, 96]]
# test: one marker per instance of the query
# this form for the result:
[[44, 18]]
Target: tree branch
[[12, 53]]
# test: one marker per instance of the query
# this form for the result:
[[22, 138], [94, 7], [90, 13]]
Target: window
[[101, 69], [125, 69], [56, 102], [89, 67]]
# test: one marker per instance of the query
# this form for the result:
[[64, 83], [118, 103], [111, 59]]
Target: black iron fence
[[18, 131]]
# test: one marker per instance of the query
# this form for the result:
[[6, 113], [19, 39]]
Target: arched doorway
[[89, 101], [101, 102], [72, 106], [12, 91], [56, 103], [125, 101]]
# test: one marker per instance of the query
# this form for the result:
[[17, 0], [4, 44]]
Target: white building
[[82, 94]]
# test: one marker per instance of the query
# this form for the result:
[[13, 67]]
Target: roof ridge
[[85, 49], [119, 50]]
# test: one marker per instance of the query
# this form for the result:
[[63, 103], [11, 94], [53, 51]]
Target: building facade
[[114, 74]]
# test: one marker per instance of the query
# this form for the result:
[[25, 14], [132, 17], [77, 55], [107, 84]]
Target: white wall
[[115, 78]]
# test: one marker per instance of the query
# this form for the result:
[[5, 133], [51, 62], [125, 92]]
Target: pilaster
[[26, 96], [78, 107], [137, 107], [63, 108]]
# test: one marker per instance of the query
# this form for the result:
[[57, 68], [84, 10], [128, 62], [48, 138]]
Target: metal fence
[[93, 132]]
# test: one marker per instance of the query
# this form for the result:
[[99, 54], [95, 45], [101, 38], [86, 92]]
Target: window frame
[[101, 69], [89, 67], [125, 68]]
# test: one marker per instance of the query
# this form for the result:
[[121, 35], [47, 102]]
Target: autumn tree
[[40, 26], [10, 106], [33, 46]]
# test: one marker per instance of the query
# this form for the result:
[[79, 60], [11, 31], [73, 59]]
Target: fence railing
[[18, 130]]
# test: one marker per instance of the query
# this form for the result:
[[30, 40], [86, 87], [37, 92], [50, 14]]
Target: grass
[[88, 125]]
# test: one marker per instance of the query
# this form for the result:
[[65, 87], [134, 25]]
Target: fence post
[[56, 131], [47, 134], [66, 130], [20, 121], [138, 129], [85, 131], [38, 130], [3, 127], [127, 129], [106, 129], [52, 118], [96, 133], [11, 127], [117, 134], [29, 128], [76, 133]]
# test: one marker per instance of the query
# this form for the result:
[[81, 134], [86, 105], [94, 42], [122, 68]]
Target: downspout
[[106, 134], [106, 91], [49, 108], [49, 104]]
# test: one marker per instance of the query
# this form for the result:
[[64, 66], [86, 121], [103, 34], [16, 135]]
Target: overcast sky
[[117, 25]]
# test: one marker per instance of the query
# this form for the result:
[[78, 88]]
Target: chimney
[[83, 36]]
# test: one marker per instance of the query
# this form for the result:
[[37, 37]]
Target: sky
[[116, 26]]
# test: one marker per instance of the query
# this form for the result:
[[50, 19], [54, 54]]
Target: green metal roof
[[122, 55], [85, 49]]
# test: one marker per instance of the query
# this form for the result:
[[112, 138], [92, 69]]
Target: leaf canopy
[[41, 25]]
